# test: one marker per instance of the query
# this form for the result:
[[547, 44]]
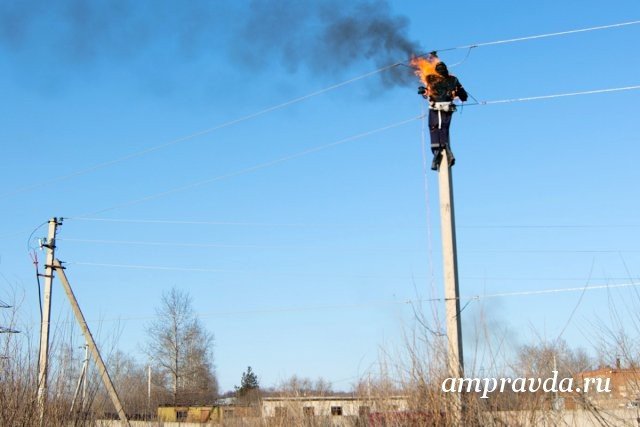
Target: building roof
[[327, 398], [607, 370]]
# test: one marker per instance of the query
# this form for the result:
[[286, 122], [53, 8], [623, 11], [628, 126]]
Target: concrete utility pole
[[43, 362], [82, 382], [85, 367], [149, 391], [102, 369], [450, 269]]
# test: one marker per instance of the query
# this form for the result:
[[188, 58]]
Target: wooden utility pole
[[43, 362], [93, 348], [450, 269]]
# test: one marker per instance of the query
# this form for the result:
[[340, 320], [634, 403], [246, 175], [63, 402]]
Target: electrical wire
[[29, 247], [34, 259], [557, 95], [539, 226], [257, 167], [333, 144], [297, 100], [425, 183], [359, 276], [548, 291], [575, 308], [214, 270], [550, 251], [463, 59], [199, 133], [370, 304], [305, 225], [152, 267], [547, 35], [237, 246], [298, 247], [183, 222]]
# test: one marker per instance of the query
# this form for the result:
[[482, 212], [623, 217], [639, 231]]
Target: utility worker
[[442, 88]]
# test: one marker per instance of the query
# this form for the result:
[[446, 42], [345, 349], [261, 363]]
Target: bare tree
[[182, 350], [130, 379], [302, 386], [539, 360]]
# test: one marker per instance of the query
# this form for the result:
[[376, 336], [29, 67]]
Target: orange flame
[[424, 66]]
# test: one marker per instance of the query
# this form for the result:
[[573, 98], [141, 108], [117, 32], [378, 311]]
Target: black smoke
[[328, 37], [84, 31]]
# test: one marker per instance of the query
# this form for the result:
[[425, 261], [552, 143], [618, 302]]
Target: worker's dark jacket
[[444, 89]]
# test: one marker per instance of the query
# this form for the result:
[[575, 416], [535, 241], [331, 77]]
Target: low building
[[189, 414], [214, 414], [341, 410], [608, 388], [286, 411]]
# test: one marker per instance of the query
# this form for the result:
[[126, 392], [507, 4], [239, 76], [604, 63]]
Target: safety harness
[[446, 106]]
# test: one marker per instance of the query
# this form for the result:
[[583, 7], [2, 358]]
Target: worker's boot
[[450, 157], [437, 157]]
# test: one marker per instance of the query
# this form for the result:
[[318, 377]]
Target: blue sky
[[304, 266]]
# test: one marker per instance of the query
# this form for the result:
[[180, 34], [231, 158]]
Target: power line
[[214, 270], [559, 95], [297, 247], [545, 279], [547, 35], [240, 223], [258, 166], [199, 133], [319, 148], [233, 246], [551, 251], [320, 225], [331, 225], [299, 99], [153, 267], [190, 245], [370, 304], [333, 144], [550, 291], [349, 276], [538, 226]]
